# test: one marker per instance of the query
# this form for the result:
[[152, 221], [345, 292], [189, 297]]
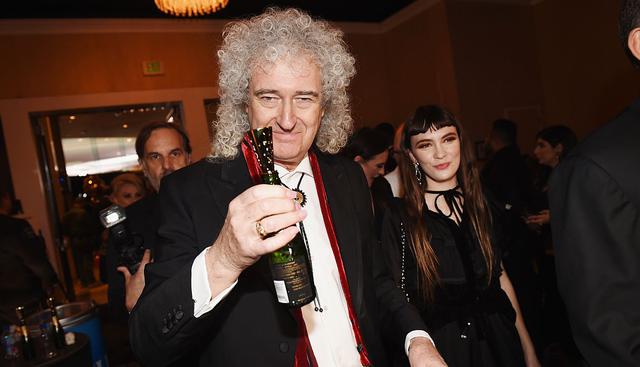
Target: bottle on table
[[57, 332], [27, 344]]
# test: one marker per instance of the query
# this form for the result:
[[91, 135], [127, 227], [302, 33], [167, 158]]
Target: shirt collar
[[304, 166]]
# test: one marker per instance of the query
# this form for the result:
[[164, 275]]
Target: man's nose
[[287, 119], [168, 165]]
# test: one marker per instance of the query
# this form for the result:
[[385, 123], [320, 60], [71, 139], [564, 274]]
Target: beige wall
[[585, 75], [69, 64], [419, 62], [496, 66]]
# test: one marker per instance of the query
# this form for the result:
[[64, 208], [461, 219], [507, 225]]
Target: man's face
[[287, 97], [163, 154]]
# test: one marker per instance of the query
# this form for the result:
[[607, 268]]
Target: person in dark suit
[[209, 297], [162, 148], [505, 174], [595, 219], [507, 178], [27, 276]]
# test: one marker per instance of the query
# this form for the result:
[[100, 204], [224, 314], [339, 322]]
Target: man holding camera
[[162, 148]]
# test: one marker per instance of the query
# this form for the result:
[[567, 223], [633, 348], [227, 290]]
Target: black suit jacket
[[249, 327], [595, 217], [25, 271]]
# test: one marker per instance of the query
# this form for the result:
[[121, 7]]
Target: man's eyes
[[302, 100]]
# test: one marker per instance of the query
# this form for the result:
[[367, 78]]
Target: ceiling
[[333, 10]]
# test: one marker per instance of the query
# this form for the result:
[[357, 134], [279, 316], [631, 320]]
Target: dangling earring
[[418, 173]]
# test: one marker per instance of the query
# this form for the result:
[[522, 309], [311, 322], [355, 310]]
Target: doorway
[[80, 152]]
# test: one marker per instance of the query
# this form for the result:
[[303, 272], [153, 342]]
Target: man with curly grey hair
[[210, 298]]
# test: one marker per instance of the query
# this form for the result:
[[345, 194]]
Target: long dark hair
[[424, 119]]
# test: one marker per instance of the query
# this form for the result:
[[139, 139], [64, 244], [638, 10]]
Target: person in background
[[82, 230], [210, 297], [393, 177], [162, 148], [369, 149], [507, 179], [442, 243], [387, 130], [27, 276], [506, 174], [553, 144], [126, 189], [594, 198]]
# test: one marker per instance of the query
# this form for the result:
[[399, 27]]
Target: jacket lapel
[[345, 224]]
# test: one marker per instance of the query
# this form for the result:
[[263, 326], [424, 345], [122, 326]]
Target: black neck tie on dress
[[452, 197]]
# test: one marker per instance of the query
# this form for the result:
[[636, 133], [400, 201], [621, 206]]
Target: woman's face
[[546, 154], [374, 166], [438, 154], [126, 195]]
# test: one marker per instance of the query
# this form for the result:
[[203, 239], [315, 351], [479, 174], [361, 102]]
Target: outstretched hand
[[541, 218], [422, 353]]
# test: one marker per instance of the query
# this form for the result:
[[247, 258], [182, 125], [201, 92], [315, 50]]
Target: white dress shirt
[[330, 332]]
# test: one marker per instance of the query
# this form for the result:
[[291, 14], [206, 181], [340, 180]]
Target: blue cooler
[[82, 317]]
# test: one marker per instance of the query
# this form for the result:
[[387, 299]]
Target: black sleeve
[[34, 254], [597, 241], [162, 325], [398, 316], [115, 279]]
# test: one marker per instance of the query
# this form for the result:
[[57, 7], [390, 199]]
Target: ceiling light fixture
[[190, 8]]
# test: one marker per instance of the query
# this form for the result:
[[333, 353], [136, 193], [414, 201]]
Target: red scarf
[[304, 350]]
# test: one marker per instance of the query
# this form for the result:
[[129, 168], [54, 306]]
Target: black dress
[[471, 322]]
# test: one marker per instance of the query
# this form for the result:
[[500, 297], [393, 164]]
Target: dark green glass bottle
[[28, 348], [57, 332], [290, 265]]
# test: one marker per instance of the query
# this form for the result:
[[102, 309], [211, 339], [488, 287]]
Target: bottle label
[[292, 281], [281, 291]]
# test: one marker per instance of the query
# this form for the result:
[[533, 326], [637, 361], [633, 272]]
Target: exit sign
[[153, 67]]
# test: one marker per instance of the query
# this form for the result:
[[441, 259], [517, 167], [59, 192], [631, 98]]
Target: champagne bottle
[[28, 348], [290, 265], [57, 332]]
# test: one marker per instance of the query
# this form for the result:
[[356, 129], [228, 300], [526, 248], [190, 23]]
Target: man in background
[[162, 148], [508, 180], [27, 275], [595, 219]]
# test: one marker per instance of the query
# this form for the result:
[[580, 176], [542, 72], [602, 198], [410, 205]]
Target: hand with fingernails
[[252, 215]]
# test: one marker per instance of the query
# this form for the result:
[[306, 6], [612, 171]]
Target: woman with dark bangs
[[444, 249]]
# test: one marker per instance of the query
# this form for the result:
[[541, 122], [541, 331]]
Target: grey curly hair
[[267, 38]]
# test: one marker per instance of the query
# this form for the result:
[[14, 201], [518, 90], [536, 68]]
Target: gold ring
[[260, 229]]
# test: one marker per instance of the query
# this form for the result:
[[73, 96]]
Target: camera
[[130, 248]]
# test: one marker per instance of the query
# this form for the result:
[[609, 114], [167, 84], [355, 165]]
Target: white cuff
[[200, 291], [416, 334]]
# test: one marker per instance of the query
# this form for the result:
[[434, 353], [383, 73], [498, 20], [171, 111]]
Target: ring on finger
[[260, 229]]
